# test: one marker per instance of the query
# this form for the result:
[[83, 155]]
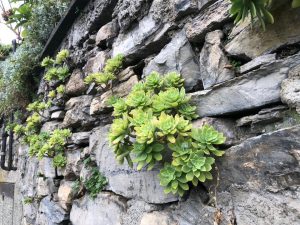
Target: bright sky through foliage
[[6, 35]]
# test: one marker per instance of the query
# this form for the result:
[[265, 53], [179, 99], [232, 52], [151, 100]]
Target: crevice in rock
[[287, 50]]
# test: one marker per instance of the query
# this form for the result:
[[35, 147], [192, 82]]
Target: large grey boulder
[[249, 42], [50, 213], [213, 61], [77, 114], [122, 179], [146, 38], [106, 209], [211, 18], [96, 63], [178, 56]]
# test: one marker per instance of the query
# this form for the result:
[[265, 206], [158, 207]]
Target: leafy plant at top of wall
[[155, 118], [241, 9]]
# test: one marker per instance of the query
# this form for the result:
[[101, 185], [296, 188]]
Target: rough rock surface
[[177, 56], [105, 209], [290, 92], [213, 61], [77, 114], [257, 62], [252, 90], [251, 42], [96, 63], [122, 179], [213, 17], [76, 85], [145, 39]]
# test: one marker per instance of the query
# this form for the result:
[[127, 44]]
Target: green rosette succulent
[[206, 137], [120, 107], [59, 161], [174, 181], [114, 64], [147, 154], [145, 133], [182, 126], [169, 99], [173, 79], [167, 127], [139, 117], [138, 99], [118, 131], [188, 111], [62, 56], [153, 81]]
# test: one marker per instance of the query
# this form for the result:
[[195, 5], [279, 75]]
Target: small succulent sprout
[[62, 56], [61, 89], [47, 62], [114, 64], [153, 81], [173, 80], [52, 94]]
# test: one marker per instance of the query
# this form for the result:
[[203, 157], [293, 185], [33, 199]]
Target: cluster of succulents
[[156, 118]]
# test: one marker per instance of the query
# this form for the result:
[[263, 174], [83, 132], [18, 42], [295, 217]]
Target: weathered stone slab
[[255, 89], [213, 61], [257, 62], [246, 41], [290, 92], [80, 138], [46, 167], [145, 39], [106, 209], [76, 85], [77, 114], [267, 162], [65, 194], [58, 115], [211, 18], [178, 56], [122, 179]]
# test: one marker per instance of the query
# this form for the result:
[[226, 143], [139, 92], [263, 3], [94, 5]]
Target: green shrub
[[155, 118], [95, 183], [59, 161], [5, 50], [28, 200]]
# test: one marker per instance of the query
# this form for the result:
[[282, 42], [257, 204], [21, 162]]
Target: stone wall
[[243, 80]]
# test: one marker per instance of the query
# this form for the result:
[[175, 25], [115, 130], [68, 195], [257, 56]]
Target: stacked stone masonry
[[255, 104]]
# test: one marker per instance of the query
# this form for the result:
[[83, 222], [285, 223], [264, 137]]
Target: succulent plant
[[206, 137], [119, 130], [173, 79], [139, 117], [153, 81], [145, 133], [120, 107], [188, 111], [62, 56], [138, 99], [171, 98], [147, 154], [167, 127]]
